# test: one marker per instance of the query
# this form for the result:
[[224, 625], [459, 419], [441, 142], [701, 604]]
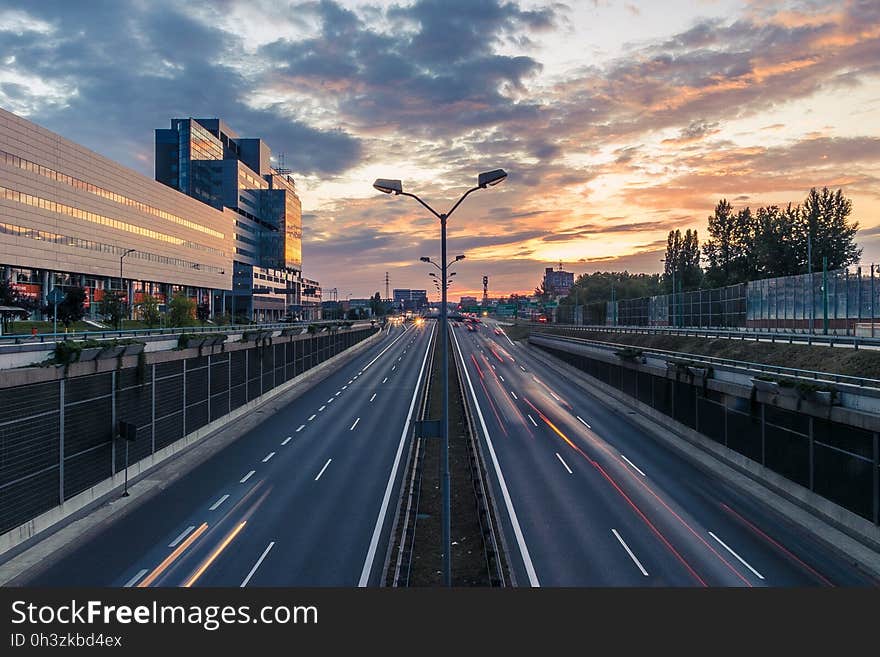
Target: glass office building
[[69, 217], [205, 159]]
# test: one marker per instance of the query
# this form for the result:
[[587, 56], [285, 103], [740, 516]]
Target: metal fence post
[[61, 442], [184, 396], [153, 411], [113, 421], [209, 388], [812, 455]]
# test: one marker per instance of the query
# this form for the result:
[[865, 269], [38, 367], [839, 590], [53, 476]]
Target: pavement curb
[[712, 458]]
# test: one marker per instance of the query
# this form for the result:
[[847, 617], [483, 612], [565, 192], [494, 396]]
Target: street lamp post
[[487, 179], [121, 280]]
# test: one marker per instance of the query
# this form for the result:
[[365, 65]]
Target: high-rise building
[[205, 159], [70, 218]]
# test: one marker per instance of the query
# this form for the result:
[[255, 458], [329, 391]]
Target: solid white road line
[[630, 552], [135, 578], [257, 565], [532, 419], [322, 469], [247, 476], [583, 421], [312, 417], [287, 440], [182, 536], [268, 456], [383, 510], [355, 424], [214, 506], [508, 503], [373, 397], [300, 428], [634, 467], [321, 409], [739, 558], [564, 464], [514, 395]]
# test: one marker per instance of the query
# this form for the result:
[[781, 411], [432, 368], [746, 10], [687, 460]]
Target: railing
[[731, 334], [860, 382], [28, 338]]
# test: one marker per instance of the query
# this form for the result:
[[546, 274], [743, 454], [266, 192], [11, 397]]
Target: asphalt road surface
[[587, 498], [302, 499]]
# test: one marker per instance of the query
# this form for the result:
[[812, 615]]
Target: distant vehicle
[[498, 331], [542, 319]]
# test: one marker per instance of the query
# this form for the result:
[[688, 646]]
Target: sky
[[616, 121]]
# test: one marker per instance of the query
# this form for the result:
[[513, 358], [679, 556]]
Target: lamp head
[[388, 186], [425, 259], [491, 178], [459, 257]]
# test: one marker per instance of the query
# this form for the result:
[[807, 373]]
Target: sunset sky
[[617, 121]]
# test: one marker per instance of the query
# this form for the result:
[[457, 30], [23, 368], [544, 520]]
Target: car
[[498, 331]]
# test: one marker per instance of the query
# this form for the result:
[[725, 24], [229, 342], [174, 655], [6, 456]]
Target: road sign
[[505, 309], [56, 296]]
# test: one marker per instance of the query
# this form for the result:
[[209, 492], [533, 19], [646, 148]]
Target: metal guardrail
[[28, 338], [813, 375], [732, 334]]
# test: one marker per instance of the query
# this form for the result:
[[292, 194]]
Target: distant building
[[467, 301], [558, 282], [406, 299]]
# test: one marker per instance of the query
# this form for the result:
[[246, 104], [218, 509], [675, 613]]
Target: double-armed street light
[[387, 186]]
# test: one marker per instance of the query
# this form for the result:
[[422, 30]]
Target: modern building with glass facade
[[69, 217], [205, 159]]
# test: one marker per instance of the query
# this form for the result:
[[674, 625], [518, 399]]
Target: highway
[[305, 498], [587, 498]]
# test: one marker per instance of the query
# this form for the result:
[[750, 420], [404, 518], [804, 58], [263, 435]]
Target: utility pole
[[485, 291]]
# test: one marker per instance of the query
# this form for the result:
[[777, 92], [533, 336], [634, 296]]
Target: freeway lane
[[601, 503], [293, 502]]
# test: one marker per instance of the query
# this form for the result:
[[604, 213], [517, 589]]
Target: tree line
[[746, 245], [743, 245]]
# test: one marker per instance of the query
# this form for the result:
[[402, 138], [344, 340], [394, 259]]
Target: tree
[[825, 225], [148, 309], [775, 250], [12, 298], [73, 307], [181, 310], [682, 261], [353, 313], [203, 312], [377, 305], [543, 293], [113, 307], [722, 248]]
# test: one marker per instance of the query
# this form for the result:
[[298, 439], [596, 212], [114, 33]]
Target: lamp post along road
[[122, 281], [487, 179]]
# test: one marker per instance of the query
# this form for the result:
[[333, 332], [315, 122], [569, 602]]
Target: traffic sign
[[56, 296]]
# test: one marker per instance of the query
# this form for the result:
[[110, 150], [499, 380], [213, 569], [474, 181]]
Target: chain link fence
[[845, 301]]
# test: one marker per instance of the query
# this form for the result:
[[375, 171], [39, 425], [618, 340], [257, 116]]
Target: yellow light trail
[[149, 579], [226, 541]]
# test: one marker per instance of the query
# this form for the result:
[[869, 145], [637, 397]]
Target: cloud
[[137, 66]]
